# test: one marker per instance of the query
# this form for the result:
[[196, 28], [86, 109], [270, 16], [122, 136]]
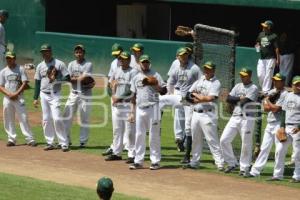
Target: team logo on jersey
[[203, 90], [13, 77], [291, 105], [264, 42]]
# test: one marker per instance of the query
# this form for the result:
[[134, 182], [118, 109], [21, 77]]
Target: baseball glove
[[52, 73], [88, 82], [189, 97], [281, 135], [183, 31], [150, 80], [274, 97]]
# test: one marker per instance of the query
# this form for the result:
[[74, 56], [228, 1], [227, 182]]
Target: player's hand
[[13, 96], [295, 130], [242, 98], [131, 118], [35, 103]]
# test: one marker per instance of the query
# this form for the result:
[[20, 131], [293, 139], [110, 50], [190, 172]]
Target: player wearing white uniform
[[242, 121], [182, 78], [48, 86], [290, 123], [13, 81], [120, 83], [137, 50], [3, 18], [179, 111], [80, 97], [116, 50], [204, 94], [272, 104], [147, 115]]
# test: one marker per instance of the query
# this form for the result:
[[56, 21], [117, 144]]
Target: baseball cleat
[[108, 152], [242, 173], [221, 169], [154, 166], [229, 169], [189, 166], [185, 160], [113, 157], [82, 145], [274, 179], [32, 143], [130, 160], [65, 148], [180, 145], [49, 147], [249, 176], [10, 144], [135, 166]]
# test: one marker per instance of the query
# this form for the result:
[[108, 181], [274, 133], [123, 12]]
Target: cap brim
[[144, 60], [208, 66], [115, 53], [182, 53], [244, 74], [124, 57], [264, 25], [45, 50], [277, 78], [9, 56], [135, 49], [295, 82]]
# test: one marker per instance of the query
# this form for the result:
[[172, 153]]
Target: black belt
[[48, 92], [177, 88], [75, 92], [290, 124], [202, 111]]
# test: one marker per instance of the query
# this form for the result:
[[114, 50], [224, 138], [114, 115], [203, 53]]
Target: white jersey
[[77, 69], [275, 117], [134, 63], [250, 91], [291, 105], [41, 74], [206, 87], [146, 95], [12, 79], [115, 64]]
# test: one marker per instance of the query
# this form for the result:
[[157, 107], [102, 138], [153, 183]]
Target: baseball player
[[181, 79], [243, 96], [272, 104], [13, 81], [80, 96], [48, 77], [204, 94], [116, 50], [179, 111], [120, 83], [137, 50], [290, 124], [3, 18], [147, 114], [267, 44]]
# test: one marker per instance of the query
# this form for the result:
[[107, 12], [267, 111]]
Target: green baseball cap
[[4, 13], [116, 49], [105, 184], [79, 46], [296, 79], [267, 24], [144, 57], [209, 65], [125, 55], [245, 71], [46, 47], [279, 77], [189, 46], [137, 47], [181, 51], [10, 54]]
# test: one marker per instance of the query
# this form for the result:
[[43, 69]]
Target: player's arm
[[201, 99], [131, 117], [268, 106]]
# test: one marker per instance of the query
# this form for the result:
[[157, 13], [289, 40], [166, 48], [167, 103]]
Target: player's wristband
[[37, 89], [282, 119]]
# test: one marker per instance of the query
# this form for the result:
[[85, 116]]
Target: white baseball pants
[[77, 102], [281, 150], [286, 66], [11, 107], [148, 119], [175, 101], [245, 127], [179, 120], [265, 148], [53, 124], [122, 127], [265, 70], [205, 125]]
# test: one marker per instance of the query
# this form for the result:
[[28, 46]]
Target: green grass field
[[18, 187], [101, 138]]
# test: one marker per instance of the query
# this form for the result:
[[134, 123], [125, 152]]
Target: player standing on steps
[[13, 81], [80, 97], [243, 96], [48, 77], [145, 101]]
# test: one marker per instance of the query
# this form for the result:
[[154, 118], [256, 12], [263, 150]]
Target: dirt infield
[[79, 169]]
